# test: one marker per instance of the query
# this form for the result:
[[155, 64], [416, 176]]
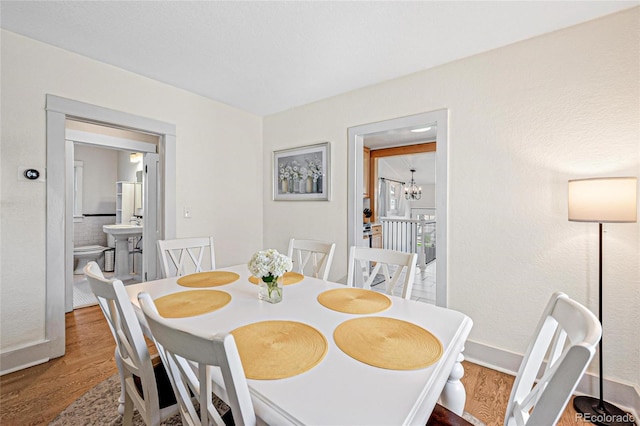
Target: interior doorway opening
[[387, 134], [401, 202], [109, 191]]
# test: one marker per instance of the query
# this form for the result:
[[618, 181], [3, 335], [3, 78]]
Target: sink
[[122, 233], [130, 230]]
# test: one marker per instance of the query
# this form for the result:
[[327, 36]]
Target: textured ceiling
[[268, 56]]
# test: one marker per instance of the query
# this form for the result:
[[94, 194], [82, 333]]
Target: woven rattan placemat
[[191, 303], [354, 300], [279, 349], [288, 279], [388, 343], [208, 279]]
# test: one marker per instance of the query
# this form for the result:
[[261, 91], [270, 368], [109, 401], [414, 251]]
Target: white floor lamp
[[602, 200]]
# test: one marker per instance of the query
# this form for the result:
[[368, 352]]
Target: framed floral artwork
[[302, 174]]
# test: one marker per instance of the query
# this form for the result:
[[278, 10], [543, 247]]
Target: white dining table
[[339, 390]]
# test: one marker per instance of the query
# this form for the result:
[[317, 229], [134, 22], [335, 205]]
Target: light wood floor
[[36, 395]]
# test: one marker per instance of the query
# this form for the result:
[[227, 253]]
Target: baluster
[[395, 245]]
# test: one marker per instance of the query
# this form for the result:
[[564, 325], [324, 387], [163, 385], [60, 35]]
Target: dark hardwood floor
[[36, 395]]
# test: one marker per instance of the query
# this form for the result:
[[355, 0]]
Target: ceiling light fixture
[[421, 129], [413, 191]]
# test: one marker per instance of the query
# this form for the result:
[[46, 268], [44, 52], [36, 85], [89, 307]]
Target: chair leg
[[127, 417], [122, 388]]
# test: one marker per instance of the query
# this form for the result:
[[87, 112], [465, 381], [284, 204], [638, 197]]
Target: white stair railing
[[410, 236]]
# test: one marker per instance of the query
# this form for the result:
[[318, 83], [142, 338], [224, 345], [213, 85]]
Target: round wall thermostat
[[31, 174]]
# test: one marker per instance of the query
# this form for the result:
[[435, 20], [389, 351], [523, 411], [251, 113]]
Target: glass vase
[[270, 292]]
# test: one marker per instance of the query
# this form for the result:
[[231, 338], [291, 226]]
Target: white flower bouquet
[[268, 266]]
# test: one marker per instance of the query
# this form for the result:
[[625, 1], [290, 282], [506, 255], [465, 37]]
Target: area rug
[[99, 406]]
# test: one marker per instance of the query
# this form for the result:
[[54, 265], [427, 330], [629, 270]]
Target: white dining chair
[[571, 332], [567, 335], [145, 384], [180, 348], [318, 252], [186, 255], [361, 257]]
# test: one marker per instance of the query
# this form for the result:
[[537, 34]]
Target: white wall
[[428, 199], [523, 120], [126, 169], [100, 167], [218, 152]]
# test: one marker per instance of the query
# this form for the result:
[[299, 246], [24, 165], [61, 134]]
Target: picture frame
[[302, 173]]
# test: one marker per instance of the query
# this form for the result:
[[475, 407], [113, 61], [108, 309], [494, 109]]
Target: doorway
[[59, 243], [110, 188], [402, 203], [356, 136]]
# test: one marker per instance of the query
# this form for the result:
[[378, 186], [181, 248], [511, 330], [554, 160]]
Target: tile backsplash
[[89, 232]]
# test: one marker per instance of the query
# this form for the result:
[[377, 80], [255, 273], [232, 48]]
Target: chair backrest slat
[[318, 252], [174, 253], [404, 263]]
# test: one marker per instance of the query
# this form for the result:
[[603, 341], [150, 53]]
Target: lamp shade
[[610, 199]]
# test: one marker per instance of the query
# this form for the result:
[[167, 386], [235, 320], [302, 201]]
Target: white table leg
[[454, 395]]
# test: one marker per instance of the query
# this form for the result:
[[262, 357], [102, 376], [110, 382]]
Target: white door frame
[[354, 193], [152, 224], [59, 245]]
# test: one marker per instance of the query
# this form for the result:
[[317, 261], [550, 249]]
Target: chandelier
[[413, 191]]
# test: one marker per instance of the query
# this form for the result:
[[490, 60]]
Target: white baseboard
[[24, 357], [624, 395]]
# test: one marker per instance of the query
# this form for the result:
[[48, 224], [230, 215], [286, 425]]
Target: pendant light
[[413, 191]]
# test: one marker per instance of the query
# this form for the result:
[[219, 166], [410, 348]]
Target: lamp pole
[[600, 362], [598, 411]]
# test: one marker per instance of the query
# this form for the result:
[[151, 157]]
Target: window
[[395, 193]]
